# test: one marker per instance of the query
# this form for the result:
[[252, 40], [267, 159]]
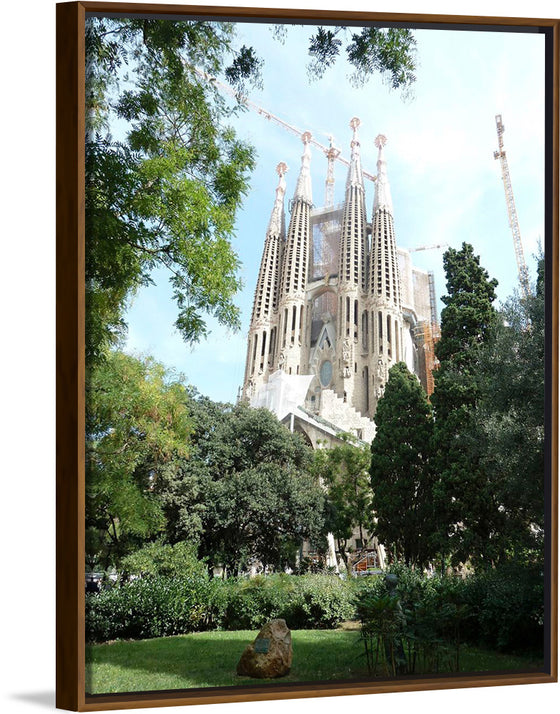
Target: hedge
[[501, 609], [159, 606]]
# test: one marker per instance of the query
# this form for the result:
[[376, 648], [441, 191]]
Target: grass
[[209, 659]]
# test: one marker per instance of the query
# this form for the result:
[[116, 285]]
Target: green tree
[[401, 475], [467, 509], [344, 472], [388, 52], [163, 194], [163, 559], [245, 491], [261, 513], [137, 423], [511, 411]]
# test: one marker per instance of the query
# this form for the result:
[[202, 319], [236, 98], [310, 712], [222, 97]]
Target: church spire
[[276, 223], [291, 321], [353, 238], [352, 278], [303, 190], [294, 264], [261, 348], [382, 190], [355, 176], [384, 272]]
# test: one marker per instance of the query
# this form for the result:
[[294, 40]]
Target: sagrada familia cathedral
[[337, 303]]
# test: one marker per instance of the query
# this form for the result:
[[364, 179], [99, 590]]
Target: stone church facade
[[337, 303]]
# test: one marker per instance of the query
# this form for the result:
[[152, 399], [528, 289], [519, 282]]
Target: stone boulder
[[270, 654]]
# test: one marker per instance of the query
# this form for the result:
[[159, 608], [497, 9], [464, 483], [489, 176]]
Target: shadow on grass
[[209, 659]]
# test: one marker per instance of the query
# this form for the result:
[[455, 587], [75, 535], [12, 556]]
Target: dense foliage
[[304, 601], [343, 472], [511, 412], [245, 486], [230, 481], [159, 558], [149, 607], [137, 422], [500, 609], [159, 606], [466, 484], [165, 174], [465, 503], [426, 620], [400, 470]]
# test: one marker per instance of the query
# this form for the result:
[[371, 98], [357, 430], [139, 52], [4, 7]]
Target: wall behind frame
[[27, 369]]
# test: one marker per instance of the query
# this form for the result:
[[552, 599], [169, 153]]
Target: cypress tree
[[400, 470], [468, 517]]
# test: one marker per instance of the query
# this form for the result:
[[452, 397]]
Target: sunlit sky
[[446, 185]]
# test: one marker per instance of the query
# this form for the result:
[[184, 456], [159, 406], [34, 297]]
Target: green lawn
[[209, 659]]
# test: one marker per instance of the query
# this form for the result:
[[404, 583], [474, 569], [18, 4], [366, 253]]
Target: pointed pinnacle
[[380, 141], [382, 199], [303, 187], [281, 169], [275, 223]]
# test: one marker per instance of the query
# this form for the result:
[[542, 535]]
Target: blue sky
[[445, 183]]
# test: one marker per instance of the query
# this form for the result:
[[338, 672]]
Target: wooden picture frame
[[70, 341]]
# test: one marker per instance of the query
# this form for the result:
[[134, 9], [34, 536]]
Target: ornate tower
[[384, 283], [292, 338], [261, 344], [329, 316], [352, 283]]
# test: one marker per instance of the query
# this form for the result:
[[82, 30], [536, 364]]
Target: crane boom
[[512, 211], [428, 247], [327, 150]]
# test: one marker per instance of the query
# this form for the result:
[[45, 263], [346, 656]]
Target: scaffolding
[[433, 305], [430, 358]]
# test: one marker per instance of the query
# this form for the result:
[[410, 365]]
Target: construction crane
[[332, 155], [512, 212], [330, 152], [428, 247]]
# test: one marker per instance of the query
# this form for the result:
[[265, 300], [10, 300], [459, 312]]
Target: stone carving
[[346, 354], [270, 654]]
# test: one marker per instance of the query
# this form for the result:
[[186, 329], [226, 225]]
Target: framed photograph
[[307, 338]]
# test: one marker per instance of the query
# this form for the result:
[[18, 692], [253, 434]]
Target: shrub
[[507, 605], [158, 606], [305, 602], [252, 602], [501, 609], [382, 630], [148, 607], [320, 602], [414, 628], [160, 558]]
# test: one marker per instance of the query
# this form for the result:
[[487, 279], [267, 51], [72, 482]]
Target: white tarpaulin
[[283, 393]]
